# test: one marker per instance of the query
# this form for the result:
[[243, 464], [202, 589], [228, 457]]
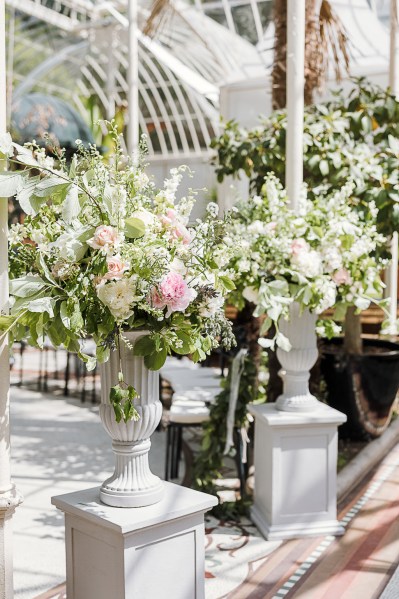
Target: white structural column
[[9, 498], [133, 79], [392, 273], [296, 438], [295, 99]]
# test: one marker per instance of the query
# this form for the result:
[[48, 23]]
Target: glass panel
[[245, 22], [265, 13], [218, 15]]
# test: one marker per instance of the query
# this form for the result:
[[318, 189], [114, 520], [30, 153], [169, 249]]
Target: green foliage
[[208, 462], [122, 397], [349, 137]]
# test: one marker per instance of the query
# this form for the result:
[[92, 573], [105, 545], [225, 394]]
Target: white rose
[[212, 305], [178, 266], [307, 263], [118, 296]]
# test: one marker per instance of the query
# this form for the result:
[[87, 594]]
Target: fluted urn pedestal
[[132, 483], [296, 447]]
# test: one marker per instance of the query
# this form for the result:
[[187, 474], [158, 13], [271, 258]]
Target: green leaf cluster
[[122, 400], [353, 136]]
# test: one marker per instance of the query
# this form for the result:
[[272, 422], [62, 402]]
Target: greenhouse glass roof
[[78, 50]]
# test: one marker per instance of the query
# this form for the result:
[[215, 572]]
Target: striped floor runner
[[358, 565]]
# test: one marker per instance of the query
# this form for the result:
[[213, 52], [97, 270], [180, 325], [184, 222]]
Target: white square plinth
[[295, 472], [135, 553]]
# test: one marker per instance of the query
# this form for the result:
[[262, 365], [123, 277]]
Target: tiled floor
[[358, 565]]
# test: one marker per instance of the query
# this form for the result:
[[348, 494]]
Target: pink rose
[[116, 268], [342, 277], [156, 300], [298, 246], [173, 293], [105, 236]]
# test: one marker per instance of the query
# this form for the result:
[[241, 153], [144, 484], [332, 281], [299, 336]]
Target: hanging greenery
[[208, 463]]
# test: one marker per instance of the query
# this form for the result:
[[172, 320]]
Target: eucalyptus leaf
[[47, 186], [10, 183], [71, 205], [134, 227], [26, 286], [42, 304]]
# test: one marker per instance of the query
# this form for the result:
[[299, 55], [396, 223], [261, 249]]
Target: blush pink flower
[[169, 218], [298, 246], [270, 227], [177, 229], [173, 293], [104, 237], [342, 277], [116, 268]]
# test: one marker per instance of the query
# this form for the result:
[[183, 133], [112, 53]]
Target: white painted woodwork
[[151, 552], [133, 78], [132, 483], [9, 497], [295, 472], [296, 363]]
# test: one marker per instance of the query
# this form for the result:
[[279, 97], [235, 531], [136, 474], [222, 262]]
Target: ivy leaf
[[144, 346], [186, 346], [122, 401], [134, 228], [156, 360]]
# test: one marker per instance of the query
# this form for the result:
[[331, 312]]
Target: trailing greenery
[[208, 462], [351, 137]]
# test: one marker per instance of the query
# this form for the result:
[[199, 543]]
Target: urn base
[[132, 483], [137, 498]]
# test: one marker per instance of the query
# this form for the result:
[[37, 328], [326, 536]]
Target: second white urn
[[296, 363]]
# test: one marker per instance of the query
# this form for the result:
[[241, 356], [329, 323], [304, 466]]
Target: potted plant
[[354, 138], [103, 253]]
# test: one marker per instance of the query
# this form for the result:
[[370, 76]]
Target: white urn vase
[[132, 483], [296, 363]]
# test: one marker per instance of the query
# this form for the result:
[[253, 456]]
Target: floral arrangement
[[323, 256], [102, 251]]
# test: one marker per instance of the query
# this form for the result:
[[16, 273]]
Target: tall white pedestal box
[[151, 552], [295, 472]]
